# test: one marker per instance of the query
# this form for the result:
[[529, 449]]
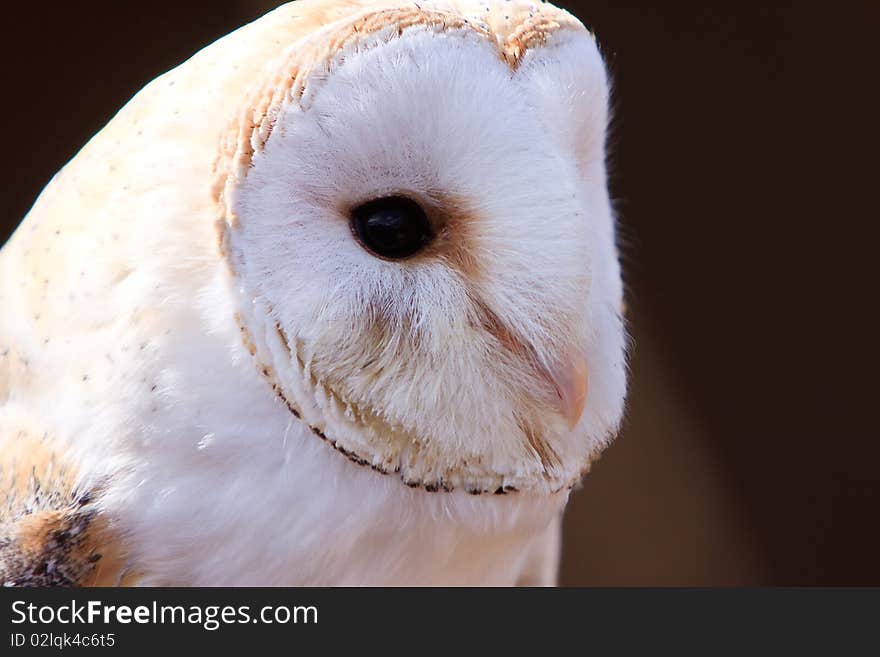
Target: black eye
[[392, 227]]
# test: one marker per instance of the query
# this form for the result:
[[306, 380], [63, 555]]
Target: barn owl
[[335, 302]]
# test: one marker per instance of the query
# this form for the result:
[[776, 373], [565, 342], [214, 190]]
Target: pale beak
[[569, 378]]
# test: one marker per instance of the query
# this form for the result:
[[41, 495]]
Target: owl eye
[[393, 227]]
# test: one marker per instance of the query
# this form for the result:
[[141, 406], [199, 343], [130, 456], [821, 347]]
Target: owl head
[[415, 211]]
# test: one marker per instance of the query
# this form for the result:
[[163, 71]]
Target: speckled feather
[[51, 533]]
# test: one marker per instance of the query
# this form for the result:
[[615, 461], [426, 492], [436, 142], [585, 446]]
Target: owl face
[[424, 244]]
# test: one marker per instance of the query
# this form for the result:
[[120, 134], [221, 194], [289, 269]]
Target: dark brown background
[[745, 164]]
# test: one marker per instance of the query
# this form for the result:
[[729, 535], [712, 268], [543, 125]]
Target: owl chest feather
[[226, 486], [316, 519]]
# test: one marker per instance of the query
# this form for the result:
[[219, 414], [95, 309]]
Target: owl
[[337, 301]]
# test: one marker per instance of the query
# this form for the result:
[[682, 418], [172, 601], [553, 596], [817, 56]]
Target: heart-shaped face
[[416, 209]]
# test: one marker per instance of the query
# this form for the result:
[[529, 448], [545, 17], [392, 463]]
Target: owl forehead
[[514, 26]]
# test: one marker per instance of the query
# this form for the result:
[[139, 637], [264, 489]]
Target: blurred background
[[745, 162]]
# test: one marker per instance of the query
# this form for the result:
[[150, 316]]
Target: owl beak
[[569, 378]]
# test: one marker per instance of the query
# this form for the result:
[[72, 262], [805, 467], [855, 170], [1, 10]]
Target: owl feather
[[335, 301]]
